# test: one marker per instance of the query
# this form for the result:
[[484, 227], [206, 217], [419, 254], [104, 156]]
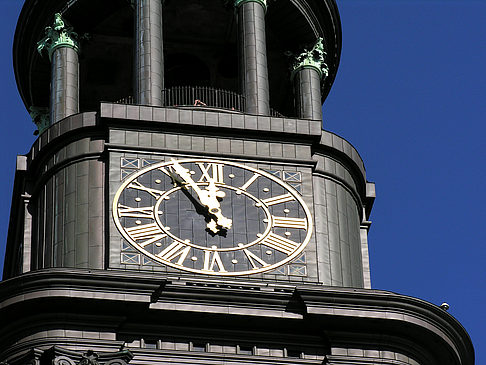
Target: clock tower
[[182, 203]]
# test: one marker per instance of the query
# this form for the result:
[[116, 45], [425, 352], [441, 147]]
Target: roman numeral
[[252, 258], [214, 169], [154, 192], [212, 258], [147, 233], [280, 243], [249, 182], [299, 223], [174, 250], [144, 212], [168, 170], [278, 199]]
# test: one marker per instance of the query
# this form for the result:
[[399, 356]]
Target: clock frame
[[160, 214]]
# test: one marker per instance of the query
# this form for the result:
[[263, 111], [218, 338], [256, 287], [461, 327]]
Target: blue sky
[[410, 95]]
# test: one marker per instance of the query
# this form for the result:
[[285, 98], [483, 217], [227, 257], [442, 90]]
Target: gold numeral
[[209, 169], [278, 199], [148, 233], [285, 222], [168, 170], [212, 258], [144, 212], [252, 258], [249, 182], [154, 192], [174, 250], [280, 243]]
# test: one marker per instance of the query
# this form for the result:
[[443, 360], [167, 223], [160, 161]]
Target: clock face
[[212, 217]]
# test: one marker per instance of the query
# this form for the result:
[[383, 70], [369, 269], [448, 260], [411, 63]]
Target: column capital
[[263, 3], [57, 36], [40, 117], [314, 58]]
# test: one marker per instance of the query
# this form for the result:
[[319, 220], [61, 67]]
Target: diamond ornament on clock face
[[212, 217]]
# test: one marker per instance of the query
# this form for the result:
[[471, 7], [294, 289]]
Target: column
[[149, 55], [253, 55], [308, 70], [62, 46]]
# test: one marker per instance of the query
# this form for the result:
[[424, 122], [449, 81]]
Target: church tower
[[182, 203]]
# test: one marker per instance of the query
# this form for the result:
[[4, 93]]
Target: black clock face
[[212, 217]]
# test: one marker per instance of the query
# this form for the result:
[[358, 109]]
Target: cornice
[[343, 313]]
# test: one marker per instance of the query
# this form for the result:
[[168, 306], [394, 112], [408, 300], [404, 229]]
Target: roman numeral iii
[[299, 223]]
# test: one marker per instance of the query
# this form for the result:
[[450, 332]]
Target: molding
[[263, 3], [360, 316], [114, 147]]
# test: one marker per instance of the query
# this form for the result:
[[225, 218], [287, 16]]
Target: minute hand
[[208, 197]]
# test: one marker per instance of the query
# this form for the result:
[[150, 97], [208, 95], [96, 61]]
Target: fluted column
[[149, 55], [62, 46], [308, 70], [253, 55]]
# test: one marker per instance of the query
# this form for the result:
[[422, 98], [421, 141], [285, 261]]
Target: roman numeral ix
[[143, 212]]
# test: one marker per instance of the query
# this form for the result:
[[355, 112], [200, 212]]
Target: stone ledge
[[206, 118]]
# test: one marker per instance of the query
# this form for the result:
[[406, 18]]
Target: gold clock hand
[[215, 207], [207, 197], [186, 176]]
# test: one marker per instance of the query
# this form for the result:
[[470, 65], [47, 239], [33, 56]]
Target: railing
[[126, 100], [274, 113], [201, 96]]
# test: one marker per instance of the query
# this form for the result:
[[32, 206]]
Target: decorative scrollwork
[[89, 358], [314, 57], [40, 116], [63, 360], [58, 35]]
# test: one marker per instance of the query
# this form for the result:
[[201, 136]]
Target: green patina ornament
[[241, 2], [57, 36], [40, 116], [313, 58]]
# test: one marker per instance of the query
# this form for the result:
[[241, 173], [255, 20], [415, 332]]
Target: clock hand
[[207, 197], [186, 177], [215, 208]]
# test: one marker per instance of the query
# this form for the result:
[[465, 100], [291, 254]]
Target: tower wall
[[195, 224]]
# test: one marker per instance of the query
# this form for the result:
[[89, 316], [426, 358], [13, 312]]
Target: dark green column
[[253, 55], [149, 54], [308, 70], [62, 46]]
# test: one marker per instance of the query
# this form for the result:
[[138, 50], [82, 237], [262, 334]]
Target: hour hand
[[214, 207]]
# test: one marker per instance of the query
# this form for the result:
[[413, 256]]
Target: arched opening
[[288, 32], [200, 32]]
